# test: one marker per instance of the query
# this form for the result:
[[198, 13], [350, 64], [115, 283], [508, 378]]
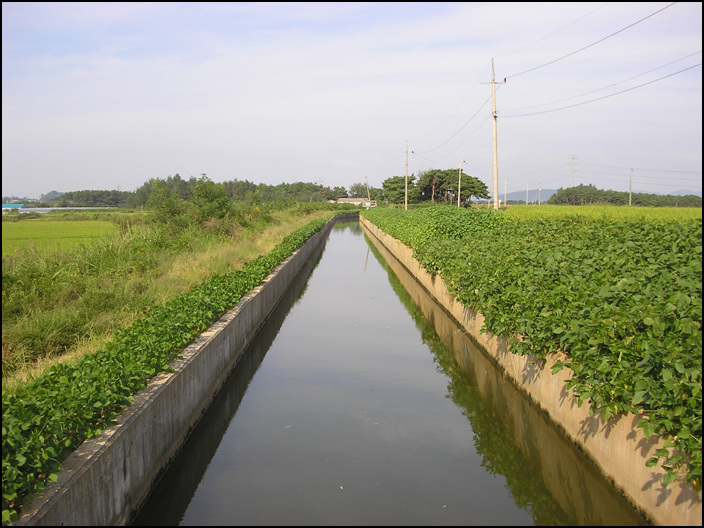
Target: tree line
[[431, 186], [590, 195]]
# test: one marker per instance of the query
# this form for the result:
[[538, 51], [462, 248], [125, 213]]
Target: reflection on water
[[345, 410], [177, 485], [515, 438]]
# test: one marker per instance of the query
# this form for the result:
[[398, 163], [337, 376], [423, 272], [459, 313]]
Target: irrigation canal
[[361, 402]]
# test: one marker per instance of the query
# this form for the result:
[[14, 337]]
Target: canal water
[[361, 402]]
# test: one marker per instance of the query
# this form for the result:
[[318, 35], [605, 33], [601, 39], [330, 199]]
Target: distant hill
[[534, 195], [49, 196]]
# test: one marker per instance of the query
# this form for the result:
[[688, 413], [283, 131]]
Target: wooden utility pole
[[630, 187], [496, 154], [459, 183], [405, 201], [573, 160]]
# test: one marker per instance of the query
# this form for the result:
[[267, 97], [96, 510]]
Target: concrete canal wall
[[107, 479], [617, 447]]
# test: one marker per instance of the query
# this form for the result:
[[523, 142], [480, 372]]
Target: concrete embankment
[[107, 479], [617, 447]]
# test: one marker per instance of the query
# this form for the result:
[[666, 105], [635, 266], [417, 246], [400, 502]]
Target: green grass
[[58, 304], [53, 235]]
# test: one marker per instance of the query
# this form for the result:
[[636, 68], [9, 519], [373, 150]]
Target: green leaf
[[668, 478], [639, 396]]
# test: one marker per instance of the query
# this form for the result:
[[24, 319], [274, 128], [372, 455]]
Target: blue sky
[[109, 95]]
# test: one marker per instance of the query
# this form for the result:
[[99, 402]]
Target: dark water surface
[[362, 403]]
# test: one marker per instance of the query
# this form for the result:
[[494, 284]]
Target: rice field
[[51, 235]]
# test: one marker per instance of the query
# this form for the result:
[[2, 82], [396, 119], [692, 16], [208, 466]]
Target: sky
[[106, 96]]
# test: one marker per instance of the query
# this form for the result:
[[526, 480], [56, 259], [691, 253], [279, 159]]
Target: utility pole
[[496, 154], [573, 160], [405, 202], [459, 183], [630, 187], [539, 189]]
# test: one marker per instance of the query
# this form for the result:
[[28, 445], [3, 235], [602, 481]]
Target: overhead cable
[[606, 96], [603, 87], [592, 44]]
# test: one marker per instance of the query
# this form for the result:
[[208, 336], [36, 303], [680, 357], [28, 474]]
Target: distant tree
[[394, 190], [165, 202], [430, 182], [444, 184], [181, 187], [589, 194], [357, 190], [141, 196], [339, 192], [92, 199], [238, 190], [468, 187], [209, 200]]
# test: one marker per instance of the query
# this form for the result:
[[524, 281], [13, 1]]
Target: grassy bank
[[58, 304]]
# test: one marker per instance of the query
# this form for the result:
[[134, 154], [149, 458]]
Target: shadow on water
[[167, 504], [513, 436]]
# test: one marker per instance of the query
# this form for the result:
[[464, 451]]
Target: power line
[[592, 44], [554, 32], [474, 85], [640, 169], [460, 130], [606, 96], [603, 87]]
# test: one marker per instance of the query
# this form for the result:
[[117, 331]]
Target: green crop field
[[51, 234], [605, 212]]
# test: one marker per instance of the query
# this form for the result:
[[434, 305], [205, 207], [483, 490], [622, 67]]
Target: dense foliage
[[92, 199], [621, 297], [433, 186], [588, 194], [46, 419], [238, 191]]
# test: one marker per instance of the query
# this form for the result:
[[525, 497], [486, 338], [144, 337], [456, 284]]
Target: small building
[[358, 201]]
